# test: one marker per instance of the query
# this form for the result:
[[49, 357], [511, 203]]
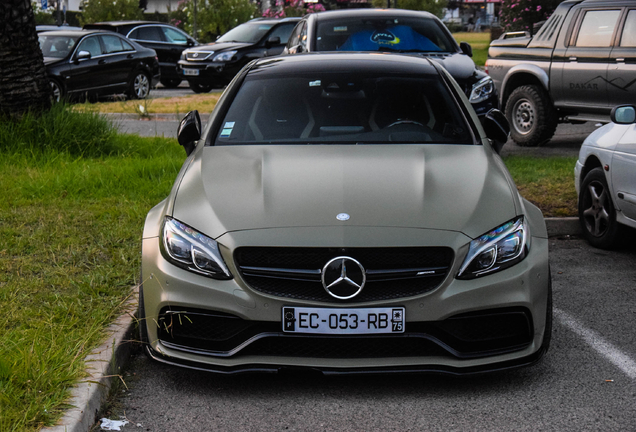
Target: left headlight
[[191, 250], [482, 90], [224, 56], [496, 250]]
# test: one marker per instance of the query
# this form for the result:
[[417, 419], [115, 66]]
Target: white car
[[605, 179]]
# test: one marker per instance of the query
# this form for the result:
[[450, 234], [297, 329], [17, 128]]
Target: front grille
[[198, 55], [462, 336], [295, 273]]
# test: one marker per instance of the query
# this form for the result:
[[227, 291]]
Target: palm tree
[[23, 82]]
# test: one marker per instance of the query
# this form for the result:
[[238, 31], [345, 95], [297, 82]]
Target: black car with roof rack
[[398, 31], [215, 64], [167, 40]]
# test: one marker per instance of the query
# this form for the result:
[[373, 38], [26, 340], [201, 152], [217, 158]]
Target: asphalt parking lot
[[587, 381]]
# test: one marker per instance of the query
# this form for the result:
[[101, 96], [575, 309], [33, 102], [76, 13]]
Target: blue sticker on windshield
[[227, 129]]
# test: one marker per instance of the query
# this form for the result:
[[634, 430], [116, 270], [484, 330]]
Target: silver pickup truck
[[579, 65]]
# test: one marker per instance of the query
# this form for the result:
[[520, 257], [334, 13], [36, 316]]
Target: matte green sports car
[[345, 213]]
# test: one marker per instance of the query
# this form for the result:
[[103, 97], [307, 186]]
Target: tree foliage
[[520, 15], [214, 17], [436, 7], [110, 10]]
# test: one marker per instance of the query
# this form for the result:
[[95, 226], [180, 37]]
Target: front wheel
[[139, 87], [597, 214], [532, 117], [199, 88], [170, 82], [56, 91]]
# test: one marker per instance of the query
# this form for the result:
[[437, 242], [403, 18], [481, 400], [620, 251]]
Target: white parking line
[[600, 345]]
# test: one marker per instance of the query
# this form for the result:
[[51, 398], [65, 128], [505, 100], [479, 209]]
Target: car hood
[[218, 47], [460, 66], [445, 187], [51, 60]]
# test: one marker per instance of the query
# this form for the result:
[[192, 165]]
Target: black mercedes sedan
[[214, 65], [97, 63], [397, 31]]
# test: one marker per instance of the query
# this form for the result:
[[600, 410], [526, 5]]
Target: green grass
[[75, 195], [479, 42], [546, 182]]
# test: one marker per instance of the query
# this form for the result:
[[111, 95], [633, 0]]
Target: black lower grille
[[391, 272], [462, 336]]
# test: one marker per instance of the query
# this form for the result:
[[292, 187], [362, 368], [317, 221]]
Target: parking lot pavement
[[586, 381]]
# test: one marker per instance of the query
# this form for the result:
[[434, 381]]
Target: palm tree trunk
[[23, 82]]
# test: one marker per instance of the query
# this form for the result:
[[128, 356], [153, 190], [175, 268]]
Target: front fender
[[524, 68]]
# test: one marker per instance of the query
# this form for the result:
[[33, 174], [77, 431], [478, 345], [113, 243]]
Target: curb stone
[[103, 366], [107, 360]]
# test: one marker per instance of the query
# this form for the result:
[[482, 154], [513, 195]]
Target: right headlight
[[191, 250], [496, 250], [482, 90]]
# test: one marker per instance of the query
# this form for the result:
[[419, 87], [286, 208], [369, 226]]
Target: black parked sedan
[[167, 40], [97, 63], [215, 64], [397, 31]]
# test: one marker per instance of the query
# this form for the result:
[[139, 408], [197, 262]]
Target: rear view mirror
[[497, 128], [625, 114], [466, 48], [189, 131], [83, 55], [274, 40]]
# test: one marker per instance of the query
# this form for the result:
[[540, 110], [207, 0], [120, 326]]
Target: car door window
[[629, 31], [90, 44], [174, 36], [294, 39], [149, 33], [113, 44], [597, 28], [282, 32]]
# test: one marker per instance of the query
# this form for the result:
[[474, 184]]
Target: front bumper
[[217, 73], [520, 291]]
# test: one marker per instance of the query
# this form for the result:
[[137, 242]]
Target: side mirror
[[624, 114], [189, 131], [497, 128], [190, 43], [273, 41], [83, 55], [466, 48]]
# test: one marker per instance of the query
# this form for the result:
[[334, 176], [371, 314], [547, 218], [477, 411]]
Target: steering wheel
[[399, 122]]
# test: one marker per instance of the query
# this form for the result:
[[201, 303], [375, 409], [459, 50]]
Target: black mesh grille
[[370, 258]]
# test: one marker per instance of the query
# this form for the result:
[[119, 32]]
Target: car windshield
[[247, 33], [383, 34], [337, 108], [56, 46]]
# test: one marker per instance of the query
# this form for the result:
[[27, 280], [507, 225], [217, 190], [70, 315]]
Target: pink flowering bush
[[292, 8], [520, 15]]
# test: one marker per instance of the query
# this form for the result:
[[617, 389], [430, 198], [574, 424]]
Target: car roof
[[344, 62], [275, 20], [74, 32], [129, 22], [363, 13]]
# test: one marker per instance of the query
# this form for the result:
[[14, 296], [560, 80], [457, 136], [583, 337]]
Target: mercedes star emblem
[[343, 277]]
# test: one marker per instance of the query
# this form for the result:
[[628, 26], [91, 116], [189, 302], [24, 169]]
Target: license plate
[[343, 321], [191, 72]]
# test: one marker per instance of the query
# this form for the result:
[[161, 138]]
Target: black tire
[[57, 91], [139, 86], [170, 82], [597, 213], [199, 88], [141, 317], [547, 333], [531, 115]]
